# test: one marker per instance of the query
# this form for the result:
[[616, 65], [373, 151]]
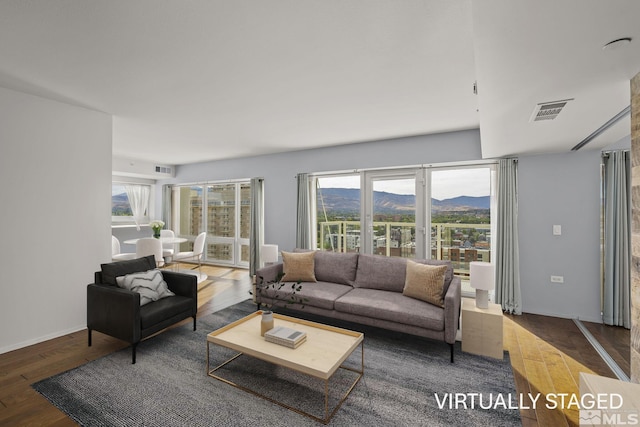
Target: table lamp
[[482, 280], [269, 253]]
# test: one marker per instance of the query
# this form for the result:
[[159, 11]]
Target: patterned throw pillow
[[298, 266], [149, 284], [425, 282]]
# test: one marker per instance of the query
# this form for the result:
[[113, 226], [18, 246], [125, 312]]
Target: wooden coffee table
[[320, 356]]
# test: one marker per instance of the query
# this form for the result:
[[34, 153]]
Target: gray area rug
[[405, 379]]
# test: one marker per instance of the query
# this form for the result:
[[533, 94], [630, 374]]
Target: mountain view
[[346, 201]]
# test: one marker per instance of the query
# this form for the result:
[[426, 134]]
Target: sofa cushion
[[121, 268], [336, 267], [448, 276], [298, 267], [391, 306], [381, 272], [161, 310], [425, 282], [317, 294], [149, 284]]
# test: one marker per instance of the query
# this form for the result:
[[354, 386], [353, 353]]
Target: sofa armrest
[[264, 275], [452, 310], [114, 311], [269, 273]]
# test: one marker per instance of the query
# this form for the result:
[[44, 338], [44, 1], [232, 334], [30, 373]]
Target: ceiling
[[211, 79]]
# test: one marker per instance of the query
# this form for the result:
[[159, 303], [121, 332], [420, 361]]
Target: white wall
[[55, 168]]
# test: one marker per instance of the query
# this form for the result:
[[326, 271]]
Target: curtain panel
[[616, 305], [303, 229], [256, 231], [507, 250], [166, 206], [139, 201]]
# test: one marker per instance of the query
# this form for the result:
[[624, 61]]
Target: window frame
[[122, 220]]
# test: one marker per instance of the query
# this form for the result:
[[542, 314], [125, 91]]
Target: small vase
[[156, 234], [267, 322]]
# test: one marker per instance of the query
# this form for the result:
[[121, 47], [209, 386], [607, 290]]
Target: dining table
[[164, 240]]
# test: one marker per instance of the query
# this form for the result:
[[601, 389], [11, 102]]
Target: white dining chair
[[116, 255], [150, 246], [195, 254], [168, 249]]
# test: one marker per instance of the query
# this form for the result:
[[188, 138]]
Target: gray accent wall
[[561, 189], [279, 170]]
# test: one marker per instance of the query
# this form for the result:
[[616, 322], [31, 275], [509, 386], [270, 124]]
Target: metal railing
[[458, 243]]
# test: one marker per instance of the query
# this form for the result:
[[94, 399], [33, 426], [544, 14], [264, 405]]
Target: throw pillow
[[425, 282], [149, 284], [298, 267]]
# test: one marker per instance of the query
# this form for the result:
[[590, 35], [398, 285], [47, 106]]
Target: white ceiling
[[213, 79]]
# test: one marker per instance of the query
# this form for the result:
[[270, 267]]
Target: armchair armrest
[[452, 310], [182, 284], [185, 285], [113, 311]]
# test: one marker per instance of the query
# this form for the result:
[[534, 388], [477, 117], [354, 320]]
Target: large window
[[223, 211], [426, 212]]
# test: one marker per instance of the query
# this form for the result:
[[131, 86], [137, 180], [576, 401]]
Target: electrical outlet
[[557, 279]]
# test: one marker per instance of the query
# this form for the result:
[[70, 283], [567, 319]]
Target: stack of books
[[285, 336]]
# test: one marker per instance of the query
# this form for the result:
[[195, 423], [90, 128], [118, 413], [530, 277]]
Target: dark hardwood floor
[[547, 354]]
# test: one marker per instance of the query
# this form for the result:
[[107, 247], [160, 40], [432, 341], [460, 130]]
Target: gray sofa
[[367, 289]]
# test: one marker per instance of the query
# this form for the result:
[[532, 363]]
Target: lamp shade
[[269, 253], [481, 275]]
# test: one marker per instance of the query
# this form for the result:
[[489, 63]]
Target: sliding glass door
[[394, 214], [427, 212]]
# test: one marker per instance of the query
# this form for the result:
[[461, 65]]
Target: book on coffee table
[[285, 336]]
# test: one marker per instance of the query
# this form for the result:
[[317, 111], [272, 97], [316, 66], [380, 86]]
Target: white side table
[[482, 329]]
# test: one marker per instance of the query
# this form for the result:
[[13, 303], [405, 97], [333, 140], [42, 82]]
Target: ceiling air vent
[[163, 169], [548, 110]]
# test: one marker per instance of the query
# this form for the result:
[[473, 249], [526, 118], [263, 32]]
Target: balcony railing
[[458, 243]]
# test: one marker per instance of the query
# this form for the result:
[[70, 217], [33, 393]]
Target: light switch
[[557, 230]]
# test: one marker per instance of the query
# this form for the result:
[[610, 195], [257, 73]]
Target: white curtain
[[139, 201], [617, 239], [507, 250], [256, 232], [303, 228]]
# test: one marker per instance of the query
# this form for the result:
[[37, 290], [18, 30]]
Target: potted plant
[[274, 291], [156, 226]]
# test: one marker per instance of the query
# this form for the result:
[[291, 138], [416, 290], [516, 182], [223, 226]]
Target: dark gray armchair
[[117, 312]]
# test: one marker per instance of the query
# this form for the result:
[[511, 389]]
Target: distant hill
[[343, 200]]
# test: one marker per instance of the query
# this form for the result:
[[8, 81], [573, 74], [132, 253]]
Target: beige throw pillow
[[425, 282], [298, 267]]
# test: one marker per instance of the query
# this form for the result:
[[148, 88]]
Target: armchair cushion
[[149, 284], [121, 268]]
